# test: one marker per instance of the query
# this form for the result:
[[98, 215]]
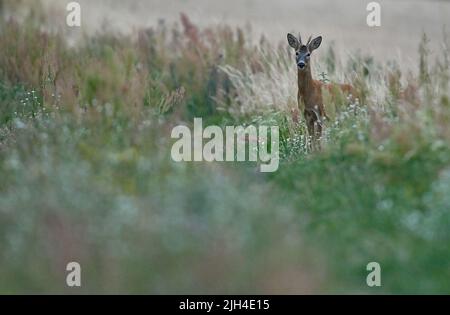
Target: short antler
[[300, 39]]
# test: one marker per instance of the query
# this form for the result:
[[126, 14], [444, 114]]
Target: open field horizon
[[341, 23]]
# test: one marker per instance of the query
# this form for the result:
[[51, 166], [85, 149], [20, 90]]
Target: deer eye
[[296, 53], [309, 54]]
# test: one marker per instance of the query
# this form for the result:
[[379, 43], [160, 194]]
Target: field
[[86, 172]]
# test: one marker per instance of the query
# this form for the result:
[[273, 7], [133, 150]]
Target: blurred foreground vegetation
[[86, 173]]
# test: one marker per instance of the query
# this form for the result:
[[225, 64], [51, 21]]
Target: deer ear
[[315, 43], [292, 40]]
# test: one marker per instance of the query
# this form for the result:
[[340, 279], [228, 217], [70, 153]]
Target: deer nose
[[301, 64]]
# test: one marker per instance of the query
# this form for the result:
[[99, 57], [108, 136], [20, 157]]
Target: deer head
[[303, 52]]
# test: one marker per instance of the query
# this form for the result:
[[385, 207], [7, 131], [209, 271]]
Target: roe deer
[[309, 90]]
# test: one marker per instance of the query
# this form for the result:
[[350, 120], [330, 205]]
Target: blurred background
[[340, 22]]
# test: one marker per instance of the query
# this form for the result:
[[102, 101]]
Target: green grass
[[86, 173], [361, 210]]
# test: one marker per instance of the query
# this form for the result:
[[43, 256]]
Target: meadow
[[86, 173]]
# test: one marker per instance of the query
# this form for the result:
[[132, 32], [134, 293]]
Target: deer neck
[[305, 81]]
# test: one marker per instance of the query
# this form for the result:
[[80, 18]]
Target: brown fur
[[310, 99], [345, 88], [310, 90]]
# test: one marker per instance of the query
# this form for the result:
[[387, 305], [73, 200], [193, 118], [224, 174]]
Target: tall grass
[[87, 175]]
